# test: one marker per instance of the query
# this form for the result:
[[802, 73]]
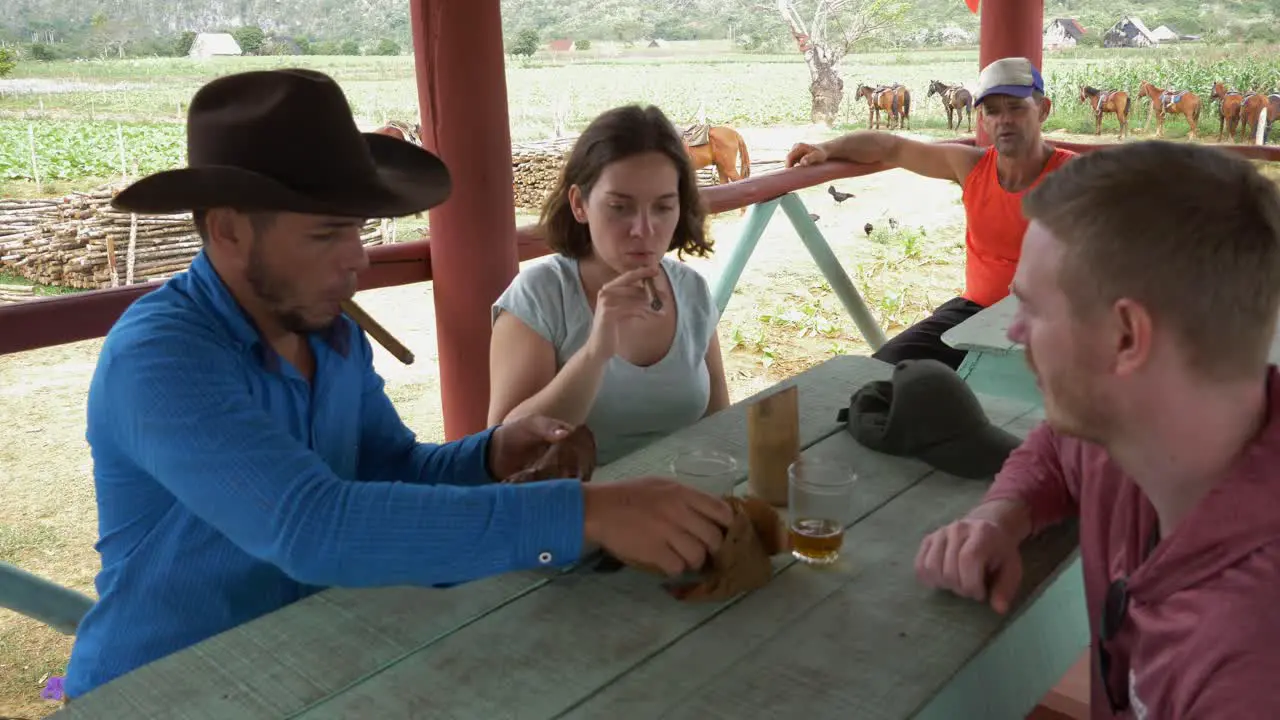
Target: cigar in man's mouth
[[655, 302]]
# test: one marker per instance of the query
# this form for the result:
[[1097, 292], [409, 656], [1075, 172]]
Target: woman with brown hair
[[609, 331]]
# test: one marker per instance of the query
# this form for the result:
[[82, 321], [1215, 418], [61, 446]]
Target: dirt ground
[[781, 320]]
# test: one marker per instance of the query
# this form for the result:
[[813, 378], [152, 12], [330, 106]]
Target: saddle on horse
[[1103, 97], [1170, 98], [882, 89], [697, 134]]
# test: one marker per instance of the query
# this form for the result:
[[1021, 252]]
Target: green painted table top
[[985, 331], [860, 639]]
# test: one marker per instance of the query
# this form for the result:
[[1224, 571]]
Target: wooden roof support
[[462, 96]]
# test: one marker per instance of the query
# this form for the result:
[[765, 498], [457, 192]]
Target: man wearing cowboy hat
[[245, 453]]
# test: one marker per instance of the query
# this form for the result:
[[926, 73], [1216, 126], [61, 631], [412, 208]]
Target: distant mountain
[[91, 28]]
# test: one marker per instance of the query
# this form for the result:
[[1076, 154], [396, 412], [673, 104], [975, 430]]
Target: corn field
[[105, 119], [1252, 71]]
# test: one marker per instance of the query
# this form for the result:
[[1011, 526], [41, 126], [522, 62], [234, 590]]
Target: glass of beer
[[820, 503], [710, 471]]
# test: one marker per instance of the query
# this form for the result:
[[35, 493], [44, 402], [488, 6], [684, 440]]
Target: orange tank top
[[995, 226]]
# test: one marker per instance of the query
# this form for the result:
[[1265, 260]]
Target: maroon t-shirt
[[1202, 631]]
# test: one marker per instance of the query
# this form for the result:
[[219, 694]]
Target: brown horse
[[903, 96], [894, 100], [954, 98], [1251, 112], [1171, 102], [1229, 105], [1107, 101], [722, 146], [1269, 115], [876, 101]]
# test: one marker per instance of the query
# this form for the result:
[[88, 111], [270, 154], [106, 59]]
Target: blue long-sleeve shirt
[[229, 486]]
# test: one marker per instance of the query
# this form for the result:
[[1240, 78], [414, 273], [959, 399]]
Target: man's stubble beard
[[274, 294]]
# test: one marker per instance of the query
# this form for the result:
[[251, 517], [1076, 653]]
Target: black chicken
[[867, 228], [839, 196]]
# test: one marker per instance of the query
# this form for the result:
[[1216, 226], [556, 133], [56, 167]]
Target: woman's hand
[[621, 300]]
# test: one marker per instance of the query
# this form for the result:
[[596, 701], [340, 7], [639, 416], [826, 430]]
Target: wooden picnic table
[[862, 638], [998, 365]]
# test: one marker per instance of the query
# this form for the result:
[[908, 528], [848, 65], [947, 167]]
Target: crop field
[[73, 120], [71, 125]]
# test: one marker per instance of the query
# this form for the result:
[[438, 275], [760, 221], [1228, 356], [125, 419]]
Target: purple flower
[[52, 689]]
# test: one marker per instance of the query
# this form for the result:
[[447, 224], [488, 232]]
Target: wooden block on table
[[773, 442]]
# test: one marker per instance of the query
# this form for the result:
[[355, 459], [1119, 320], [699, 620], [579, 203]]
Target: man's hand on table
[[655, 522], [973, 557], [650, 521]]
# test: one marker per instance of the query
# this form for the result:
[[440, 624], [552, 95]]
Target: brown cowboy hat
[[285, 140]]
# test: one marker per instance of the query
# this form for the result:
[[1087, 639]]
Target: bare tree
[[833, 29]]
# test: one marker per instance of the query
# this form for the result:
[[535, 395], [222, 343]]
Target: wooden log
[[78, 239]]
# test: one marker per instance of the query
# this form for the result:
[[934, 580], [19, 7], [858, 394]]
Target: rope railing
[[83, 316]]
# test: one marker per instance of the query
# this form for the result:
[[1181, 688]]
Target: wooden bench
[[860, 639]]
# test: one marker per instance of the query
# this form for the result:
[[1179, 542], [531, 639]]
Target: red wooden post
[[462, 97], [1009, 28]]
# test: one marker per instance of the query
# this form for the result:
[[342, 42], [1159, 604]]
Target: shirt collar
[[217, 298]]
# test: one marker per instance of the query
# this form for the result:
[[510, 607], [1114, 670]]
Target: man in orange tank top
[[1011, 97]]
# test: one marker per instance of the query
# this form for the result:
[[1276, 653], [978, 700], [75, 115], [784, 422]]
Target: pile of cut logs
[[535, 168], [79, 241]]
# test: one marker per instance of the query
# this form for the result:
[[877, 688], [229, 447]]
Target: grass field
[[90, 120]]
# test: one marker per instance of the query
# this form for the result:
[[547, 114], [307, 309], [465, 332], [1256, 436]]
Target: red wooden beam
[[82, 316], [1269, 153], [462, 99], [86, 315]]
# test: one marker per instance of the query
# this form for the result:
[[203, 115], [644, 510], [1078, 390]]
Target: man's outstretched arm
[[945, 161]]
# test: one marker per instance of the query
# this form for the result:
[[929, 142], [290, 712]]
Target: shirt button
[[544, 557]]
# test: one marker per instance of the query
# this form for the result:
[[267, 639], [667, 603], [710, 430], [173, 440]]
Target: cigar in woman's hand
[[655, 301]]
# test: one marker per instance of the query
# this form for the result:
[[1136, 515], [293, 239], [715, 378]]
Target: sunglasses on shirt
[[1115, 609]]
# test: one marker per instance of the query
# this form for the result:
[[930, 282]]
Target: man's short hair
[[260, 220], [1190, 232]]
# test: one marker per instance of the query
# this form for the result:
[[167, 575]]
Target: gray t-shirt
[[635, 405]]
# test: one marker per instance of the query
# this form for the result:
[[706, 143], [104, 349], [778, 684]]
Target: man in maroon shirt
[[1148, 290]]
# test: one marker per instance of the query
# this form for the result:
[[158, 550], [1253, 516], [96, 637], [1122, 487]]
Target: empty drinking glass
[[710, 471]]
